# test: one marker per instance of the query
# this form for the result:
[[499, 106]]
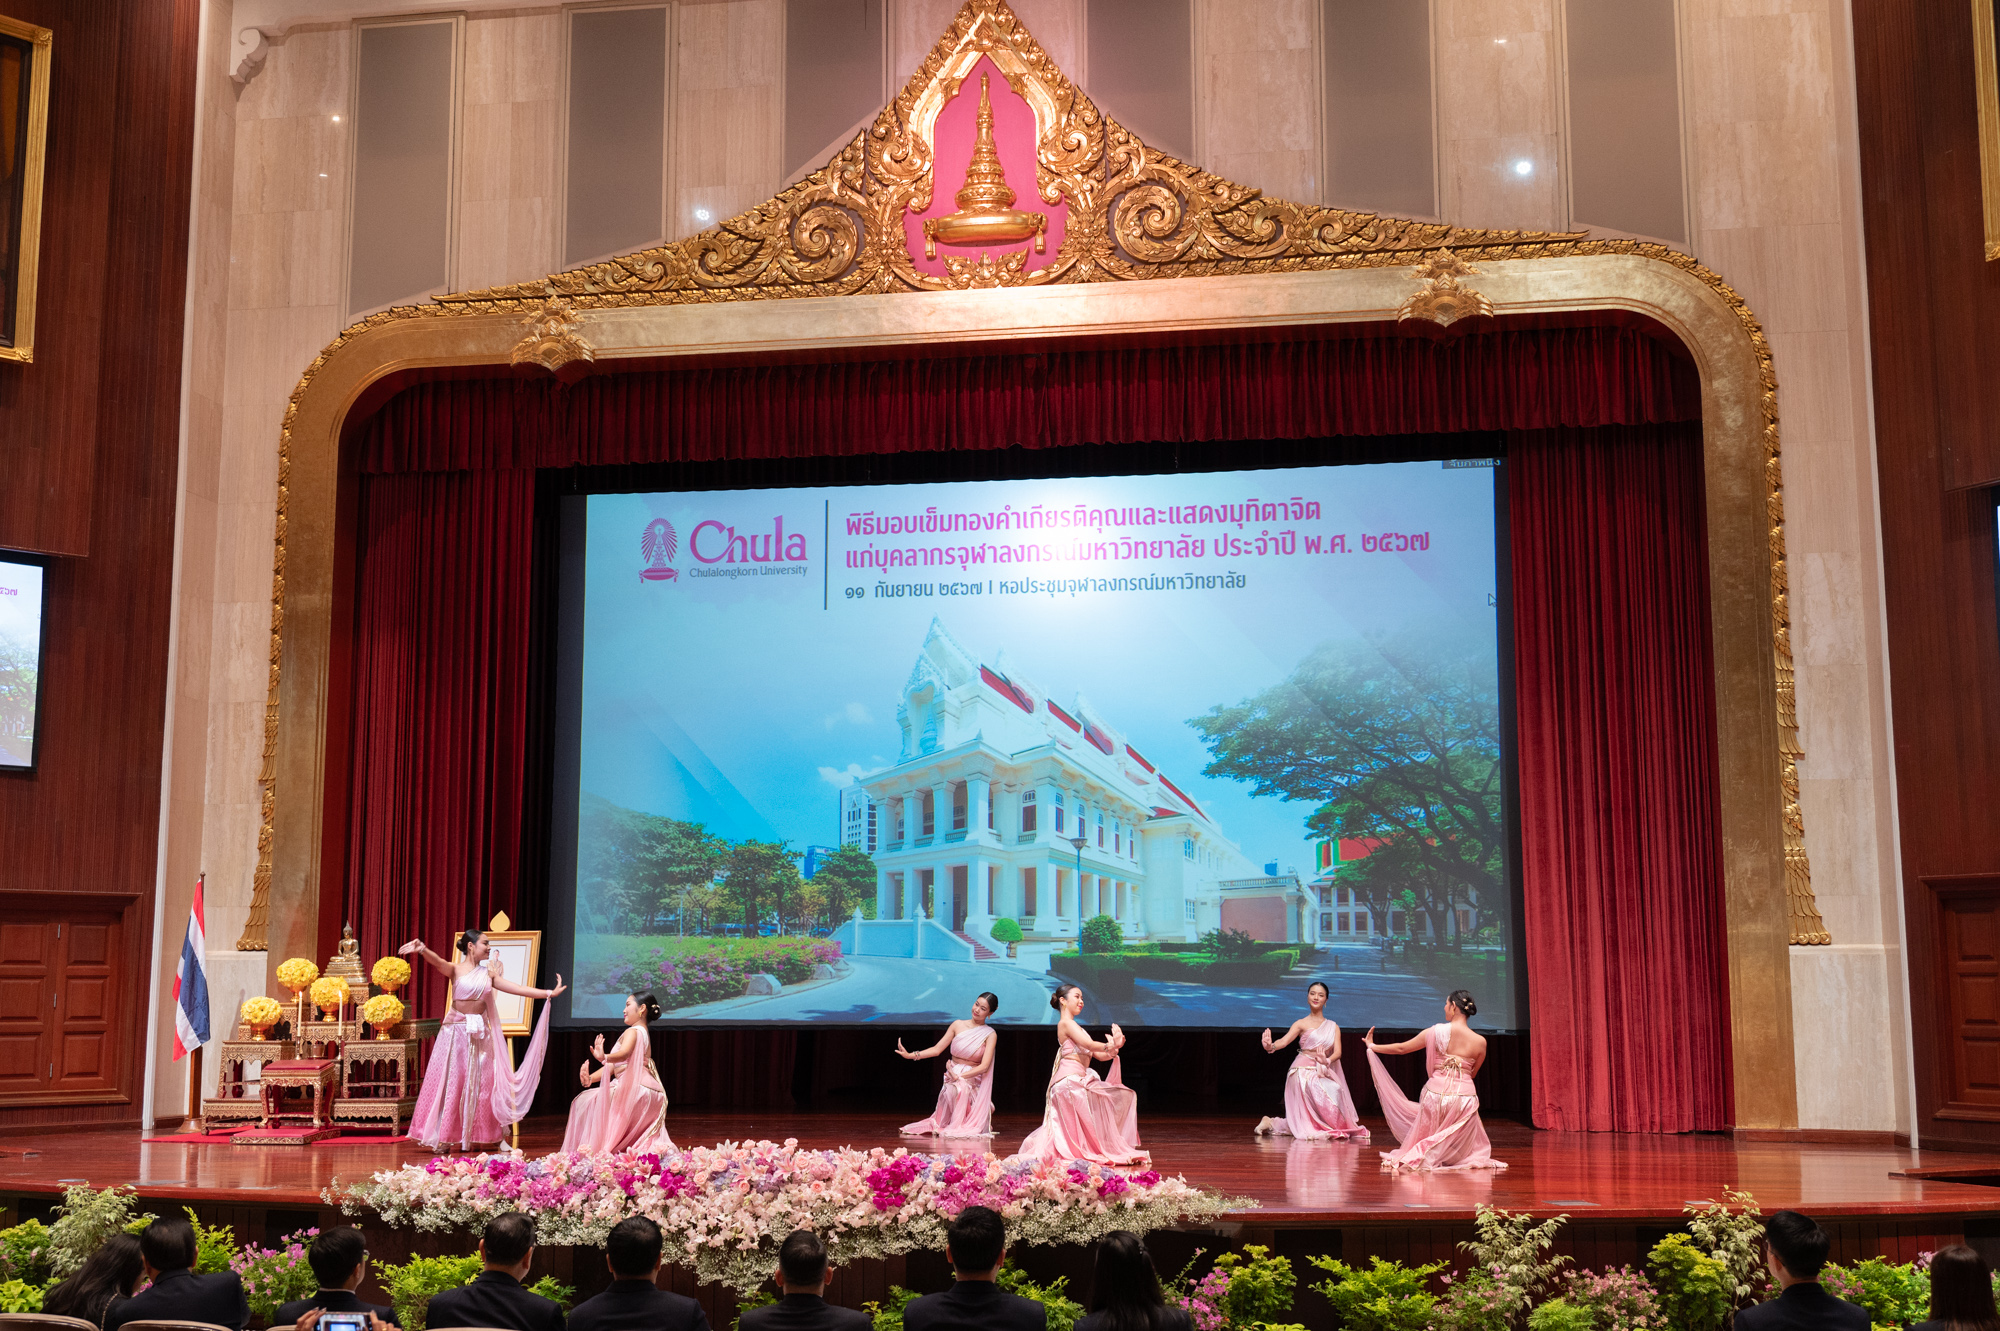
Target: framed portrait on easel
[[513, 954], [24, 124]]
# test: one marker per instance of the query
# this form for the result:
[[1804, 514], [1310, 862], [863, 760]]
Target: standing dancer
[[623, 1106], [1318, 1104], [1442, 1129], [965, 1101], [1086, 1118], [472, 1092]]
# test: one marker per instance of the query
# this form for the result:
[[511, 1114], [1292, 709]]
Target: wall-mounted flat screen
[[20, 660], [1192, 741]]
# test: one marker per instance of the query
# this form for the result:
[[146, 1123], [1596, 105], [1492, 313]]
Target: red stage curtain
[[1623, 883], [440, 680], [1620, 824], [1309, 389]]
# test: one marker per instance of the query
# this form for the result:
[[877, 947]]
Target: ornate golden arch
[[835, 245]]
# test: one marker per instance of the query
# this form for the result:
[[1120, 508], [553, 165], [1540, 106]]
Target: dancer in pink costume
[[472, 1091], [965, 1101], [1317, 1102], [1442, 1129], [623, 1106], [1087, 1118]]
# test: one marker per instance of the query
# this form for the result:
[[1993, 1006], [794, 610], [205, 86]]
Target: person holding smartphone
[[339, 1260]]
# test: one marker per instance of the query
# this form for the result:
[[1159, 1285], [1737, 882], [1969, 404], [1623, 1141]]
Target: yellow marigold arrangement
[[297, 973], [382, 1011], [329, 992], [391, 973], [261, 1011]]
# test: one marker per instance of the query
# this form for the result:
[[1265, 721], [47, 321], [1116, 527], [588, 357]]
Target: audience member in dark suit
[[108, 1275], [1961, 1292], [975, 1244], [1125, 1293], [495, 1297], [1795, 1250], [802, 1273], [177, 1294], [339, 1260], [635, 1302]]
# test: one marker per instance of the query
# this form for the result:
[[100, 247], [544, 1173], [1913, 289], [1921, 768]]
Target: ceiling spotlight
[[336, 120], [1524, 167], [1499, 41], [322, 175], [701, 214]]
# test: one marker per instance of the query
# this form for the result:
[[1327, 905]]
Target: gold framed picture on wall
[[1986, 70], [24, 124]]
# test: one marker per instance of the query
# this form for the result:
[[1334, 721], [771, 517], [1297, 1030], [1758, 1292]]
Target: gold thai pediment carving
[[1133, 212]]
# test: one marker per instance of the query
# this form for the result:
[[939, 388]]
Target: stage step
[[980, 952]]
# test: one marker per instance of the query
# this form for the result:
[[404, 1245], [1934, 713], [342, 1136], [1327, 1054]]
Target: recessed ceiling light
[[1524, 167]]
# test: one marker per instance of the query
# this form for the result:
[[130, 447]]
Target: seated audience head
[[1126, 1288], [1962, 1290], [509, 1241], [802, 1261], [1796, 1246], [109, 1274], [633, 1248], [168, 1244], [336, 1255], [975, 1242]]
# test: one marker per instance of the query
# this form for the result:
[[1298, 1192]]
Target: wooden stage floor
[[1591, 1176]]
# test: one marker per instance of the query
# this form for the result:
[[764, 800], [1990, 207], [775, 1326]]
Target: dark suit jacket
[[974, 1305], [1805, 1306], [182, 1296], [494, 1299], [804, 1312], [637, 1305], [334, 1301], [1165, 1318]]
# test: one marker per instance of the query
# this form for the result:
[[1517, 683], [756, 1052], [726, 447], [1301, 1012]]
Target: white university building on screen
[[977, 822]]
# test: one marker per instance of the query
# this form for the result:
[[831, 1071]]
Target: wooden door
[[60, 989], [1968, 976]]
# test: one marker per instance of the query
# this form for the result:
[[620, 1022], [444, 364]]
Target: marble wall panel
[[509, 151], [1496, 72], [728, 131], [1257, 99]]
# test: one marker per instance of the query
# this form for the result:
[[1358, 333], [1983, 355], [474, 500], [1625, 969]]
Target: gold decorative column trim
[[1443, 300]]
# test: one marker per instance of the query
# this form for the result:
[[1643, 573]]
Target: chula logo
[[657, 545], [723, 544]]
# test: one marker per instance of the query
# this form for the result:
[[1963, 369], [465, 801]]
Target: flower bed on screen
[[726, 1208]]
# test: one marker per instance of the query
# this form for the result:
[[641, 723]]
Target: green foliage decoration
[[25, 1248], [1054, 1297], [888, 1314], [85, 1218], [1735, 1239], [1100, 934], [1261, 1285], [1512, 1270], [1894, 1293], [18, 1296], [1562, 1315], [554, 1291], [412, 1283], [1383, 1296], [214, 1246], [1696, 1290]]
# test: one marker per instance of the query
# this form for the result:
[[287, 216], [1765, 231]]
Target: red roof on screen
[[1006, 690]]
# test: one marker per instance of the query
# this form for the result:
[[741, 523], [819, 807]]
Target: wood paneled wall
[[89, 443], [1934, 306]]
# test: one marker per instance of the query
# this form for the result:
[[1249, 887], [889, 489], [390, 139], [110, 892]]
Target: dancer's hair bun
[[651, 1004], [1462, 1000]]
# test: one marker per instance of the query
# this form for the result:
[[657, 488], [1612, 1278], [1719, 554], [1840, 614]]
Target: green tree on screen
[[760, 874], [17, 690], [1395, 741], [846, 878]]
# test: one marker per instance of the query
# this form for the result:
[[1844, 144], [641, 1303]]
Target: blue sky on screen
[[745, 702]]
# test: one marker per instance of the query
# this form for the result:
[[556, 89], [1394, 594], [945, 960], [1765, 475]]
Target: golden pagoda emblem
[[986, 214]]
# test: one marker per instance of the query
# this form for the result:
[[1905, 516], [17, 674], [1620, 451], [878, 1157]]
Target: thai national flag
[[191, 983]]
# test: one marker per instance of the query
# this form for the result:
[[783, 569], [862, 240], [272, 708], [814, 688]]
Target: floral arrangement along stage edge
[[726, 1208]]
